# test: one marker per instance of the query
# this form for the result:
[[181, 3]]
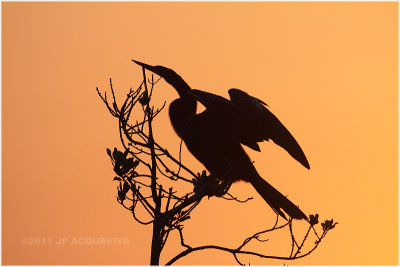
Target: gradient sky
[[327, 70]]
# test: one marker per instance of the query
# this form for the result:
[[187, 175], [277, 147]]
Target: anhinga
[[214, 136]]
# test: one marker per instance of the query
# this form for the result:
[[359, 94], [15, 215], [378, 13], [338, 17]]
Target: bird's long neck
[[179, 84], [181, 111]]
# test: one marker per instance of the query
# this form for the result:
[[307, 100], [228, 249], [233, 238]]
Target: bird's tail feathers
[[278, 202]]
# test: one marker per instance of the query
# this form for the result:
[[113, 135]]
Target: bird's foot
[[221, 189], [210, 185]]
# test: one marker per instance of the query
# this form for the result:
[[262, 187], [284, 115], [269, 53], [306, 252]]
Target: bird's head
[[169, 75]]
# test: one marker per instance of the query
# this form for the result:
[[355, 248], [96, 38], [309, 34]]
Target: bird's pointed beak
[[149, 67]]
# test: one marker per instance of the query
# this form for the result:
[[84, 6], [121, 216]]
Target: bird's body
[[214, 136]]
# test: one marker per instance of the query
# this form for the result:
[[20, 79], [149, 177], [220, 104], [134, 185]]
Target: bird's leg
[[205, 183], [225, 181], [211, 185], [224, 184], [214, 184]]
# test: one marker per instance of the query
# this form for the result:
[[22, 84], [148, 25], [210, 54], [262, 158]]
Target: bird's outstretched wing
[[221, 113], [222, 107], [257, 123]]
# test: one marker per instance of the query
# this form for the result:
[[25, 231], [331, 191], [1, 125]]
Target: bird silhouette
[[214, 136]]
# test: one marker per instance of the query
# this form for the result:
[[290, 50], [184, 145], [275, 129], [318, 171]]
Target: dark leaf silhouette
[[314, 219], [144, 99], [122, 190], [328, 225], [118, 156]]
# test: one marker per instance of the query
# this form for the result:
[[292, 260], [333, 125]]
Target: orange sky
[[327, 70]]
